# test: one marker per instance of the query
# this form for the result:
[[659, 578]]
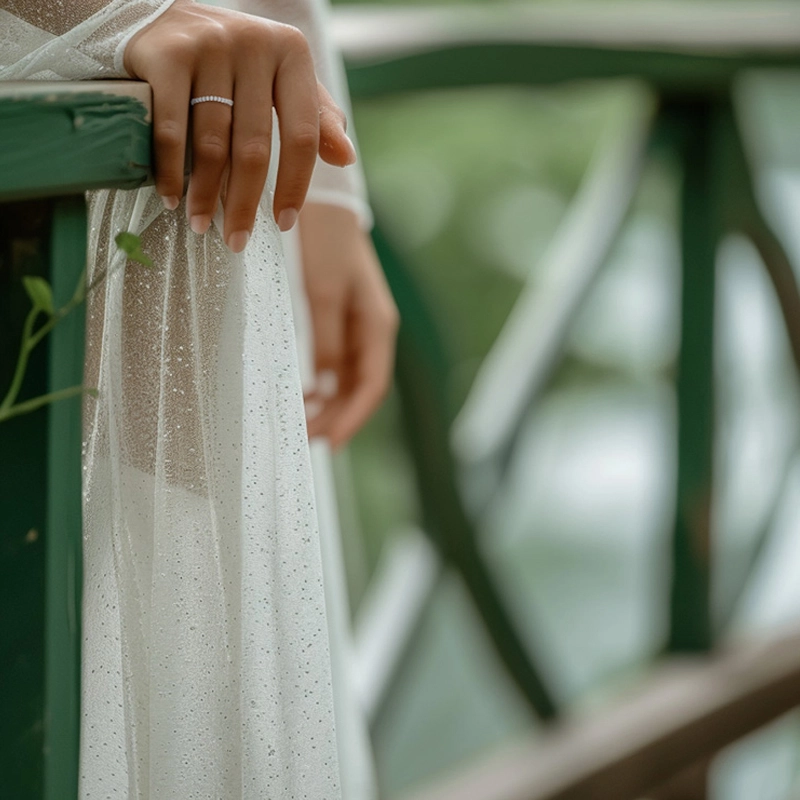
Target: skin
[[354, 320], [193, 50]]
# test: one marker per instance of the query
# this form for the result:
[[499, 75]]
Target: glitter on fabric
[[205, 663]]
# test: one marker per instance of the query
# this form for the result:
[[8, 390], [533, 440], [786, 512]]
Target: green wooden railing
[[57, 140], [691, 58]]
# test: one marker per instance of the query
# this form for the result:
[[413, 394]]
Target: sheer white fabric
[[206, 663], [63, 40], [356, 766]]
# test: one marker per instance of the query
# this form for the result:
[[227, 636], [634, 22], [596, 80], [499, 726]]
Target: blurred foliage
[[470, 186]]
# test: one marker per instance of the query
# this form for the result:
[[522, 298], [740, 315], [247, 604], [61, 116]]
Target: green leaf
[[131, 245], [40, 293], [129, 242]]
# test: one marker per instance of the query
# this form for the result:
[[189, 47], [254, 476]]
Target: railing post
[[64, 528], [690, 628]]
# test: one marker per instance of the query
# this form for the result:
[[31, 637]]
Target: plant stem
[[31, 339], [81, 290], [22, 360], [43, 400]]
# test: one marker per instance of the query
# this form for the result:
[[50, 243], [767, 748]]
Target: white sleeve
[[81, 40], [334, 185]]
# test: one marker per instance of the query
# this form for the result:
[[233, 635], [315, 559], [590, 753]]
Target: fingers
[[211, 137], [251, 144], [329, 330], [335, 146], [170, 120], [328, 314], [298, 119], [197, 50], [365, 373], [371, 377]]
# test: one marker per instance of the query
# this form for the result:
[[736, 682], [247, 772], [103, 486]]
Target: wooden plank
[[421, 378], [674, 46], [390, 613], [64, 138], [698, 125], [367, 32], [529, 346], [690, 709], [63, 539]]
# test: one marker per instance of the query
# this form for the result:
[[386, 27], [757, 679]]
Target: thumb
[[335, 146]]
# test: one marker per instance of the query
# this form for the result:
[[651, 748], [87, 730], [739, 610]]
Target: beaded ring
[[211, 98]]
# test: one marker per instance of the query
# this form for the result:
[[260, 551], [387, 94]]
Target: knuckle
[[214, 41], [168, 135], [211, 147], [253, 38], [336, 113], [305, 138], [294, 39], [254, 154], [177, 48], [333, 115]]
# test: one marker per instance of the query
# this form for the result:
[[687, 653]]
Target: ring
[[211, 98]]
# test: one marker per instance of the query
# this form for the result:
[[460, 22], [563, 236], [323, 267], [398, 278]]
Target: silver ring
[[211, 98]]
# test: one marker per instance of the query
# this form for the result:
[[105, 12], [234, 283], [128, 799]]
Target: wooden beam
[[680, 47], [692, 708], [390, 613], [65, 138], [376, 32], [531, 343]]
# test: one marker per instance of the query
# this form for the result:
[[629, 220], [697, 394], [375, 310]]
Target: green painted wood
[[24, 247], [697, 123], [60, 142], [743, 213], [524, 65], [697, 47], [63, 539], [421, 377]]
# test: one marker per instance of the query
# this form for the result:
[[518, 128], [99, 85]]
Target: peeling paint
[[54, 144]]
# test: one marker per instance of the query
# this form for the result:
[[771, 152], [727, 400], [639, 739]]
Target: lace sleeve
[[65, 40], [343, 187]]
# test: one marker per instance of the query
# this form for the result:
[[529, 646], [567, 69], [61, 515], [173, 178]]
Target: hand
[[193, 50], [353, 316]]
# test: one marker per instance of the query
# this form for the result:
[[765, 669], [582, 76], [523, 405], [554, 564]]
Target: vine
[[40, 294]]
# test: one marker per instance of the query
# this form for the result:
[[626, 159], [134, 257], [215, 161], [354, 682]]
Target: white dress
[[206, 668]]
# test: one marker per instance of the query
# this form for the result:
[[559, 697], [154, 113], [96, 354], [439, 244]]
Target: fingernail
[[352, 158], [287, 218], [238, 241], [170, 202], [199, 223]]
